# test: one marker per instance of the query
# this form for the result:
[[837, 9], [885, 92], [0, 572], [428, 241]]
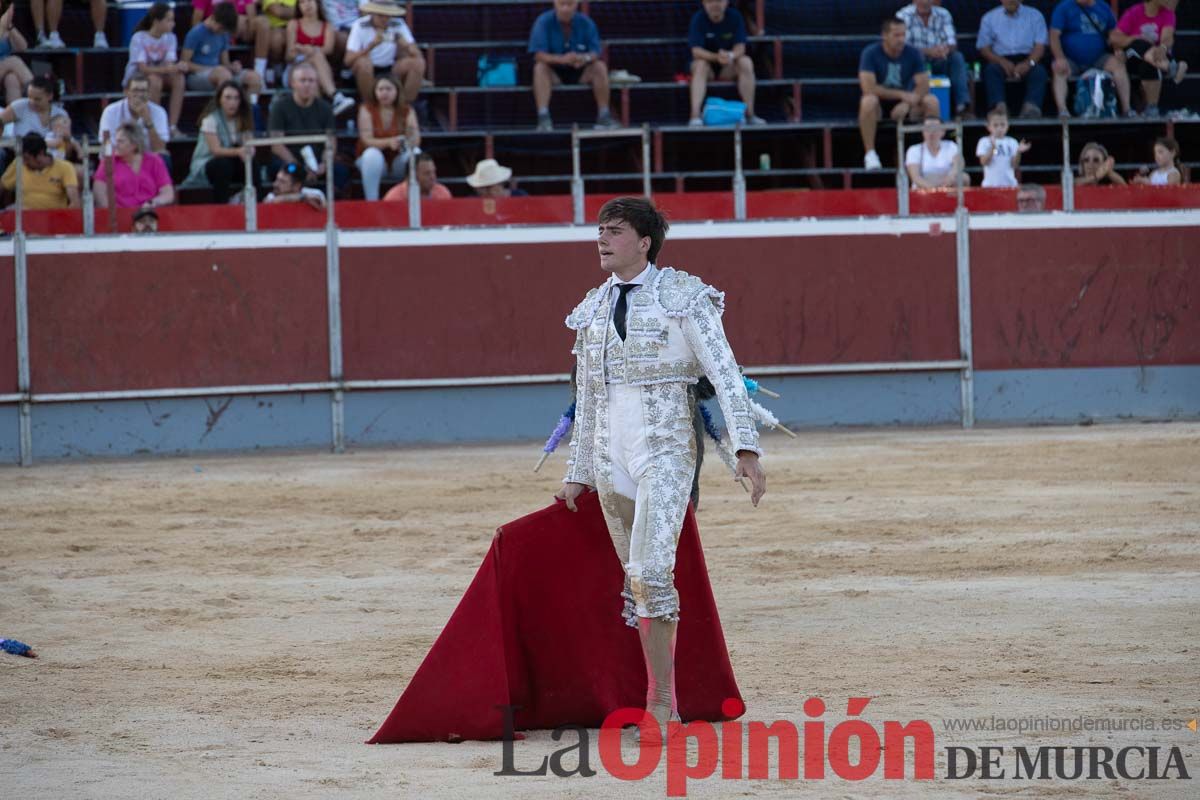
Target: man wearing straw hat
[[490, 179], [642, 339], [381, 43]]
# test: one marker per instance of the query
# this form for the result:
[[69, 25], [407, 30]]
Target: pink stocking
[[658, 648]]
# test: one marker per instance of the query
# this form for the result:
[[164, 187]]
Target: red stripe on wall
[[1086, 298], [8, 328], [156, 320], [555, 209]]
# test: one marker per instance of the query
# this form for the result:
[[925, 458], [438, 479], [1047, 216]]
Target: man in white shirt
[[381, 43], [136, 107]]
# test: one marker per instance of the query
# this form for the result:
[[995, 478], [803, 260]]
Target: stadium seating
[[806, 55]]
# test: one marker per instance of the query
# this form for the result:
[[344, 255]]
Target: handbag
[[496, 70], [718, 111]]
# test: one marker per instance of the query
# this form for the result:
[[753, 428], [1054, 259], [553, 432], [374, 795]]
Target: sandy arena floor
[[237, 626]]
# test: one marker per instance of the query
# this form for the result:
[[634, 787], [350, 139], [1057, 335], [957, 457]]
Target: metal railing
[[249, 190], [903, 183], [578, 136], [337, 385]]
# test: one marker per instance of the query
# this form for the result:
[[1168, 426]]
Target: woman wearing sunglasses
[[1096, 167]]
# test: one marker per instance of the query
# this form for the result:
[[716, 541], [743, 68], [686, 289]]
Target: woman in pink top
[[139, 178], [1146, 32]]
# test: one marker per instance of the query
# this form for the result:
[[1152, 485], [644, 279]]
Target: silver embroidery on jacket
[[673, 337]]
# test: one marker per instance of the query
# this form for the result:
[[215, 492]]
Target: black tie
[[622, 308]]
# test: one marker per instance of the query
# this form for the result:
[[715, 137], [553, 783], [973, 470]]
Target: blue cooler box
[[129, 14], [940, 88]]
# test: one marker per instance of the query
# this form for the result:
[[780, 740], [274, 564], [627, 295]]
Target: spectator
[[1146, 34], [289, 187], [50, 11], [1012, 40], [490, 179], [205, 54], [565, 45], [381, 43], [999, 153], [1097, 167], [310, 38], [14, 74], [342, 14], [427, 182], [225, 124], [244, 10], [45, 181], [1166, 165], [63, 147], [1031, 198], [137, 108], [717, 37], [59, 141], [139, 178], [1079, 40], [934, 163], [894, 72], [145, 220], [32, 113], [269, 29], [387, 133], [301, 112], [930, 29], [153, 51]]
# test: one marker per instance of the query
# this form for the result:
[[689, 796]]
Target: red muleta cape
[[540, 627]]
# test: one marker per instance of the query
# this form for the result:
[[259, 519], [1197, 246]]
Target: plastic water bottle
[[764, 162], [975, 70]]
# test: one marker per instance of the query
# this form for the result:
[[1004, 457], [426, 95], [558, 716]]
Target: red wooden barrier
[[8, 328], [499, 309], [1086, 297], [174, 319]]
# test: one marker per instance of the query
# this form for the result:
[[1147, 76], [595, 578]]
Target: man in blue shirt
[[1012, 41], [717, 37], [205, 54], [1079, 41], [891, 71], [566, 49]]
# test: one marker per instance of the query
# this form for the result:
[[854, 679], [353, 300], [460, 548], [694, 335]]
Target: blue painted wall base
[[10, 434], [1071, 395], [466, 414], [521, 413], [180, 425]]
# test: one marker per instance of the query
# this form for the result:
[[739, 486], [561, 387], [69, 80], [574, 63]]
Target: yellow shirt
[[46, 188], [275, 21]]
